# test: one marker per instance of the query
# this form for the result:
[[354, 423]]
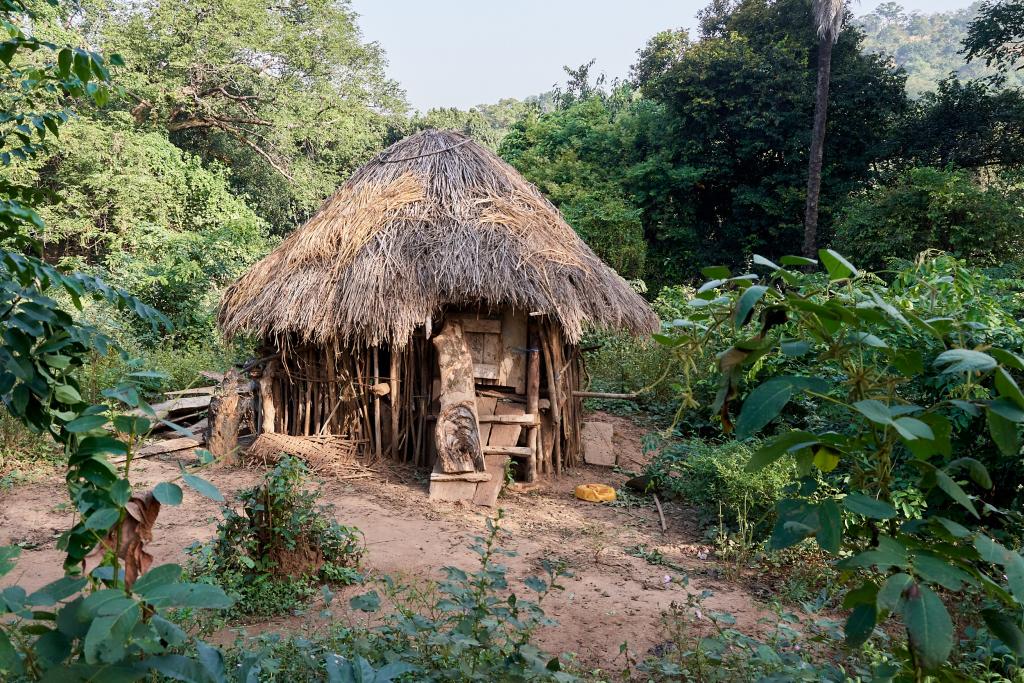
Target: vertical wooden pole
[[533, 406], [376, 405], [396, 400], [268, 414]]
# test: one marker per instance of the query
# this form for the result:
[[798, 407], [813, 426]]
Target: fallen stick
[[661, 515], [603, 394]]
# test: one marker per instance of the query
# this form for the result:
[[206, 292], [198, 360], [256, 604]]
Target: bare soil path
[[612, 598]]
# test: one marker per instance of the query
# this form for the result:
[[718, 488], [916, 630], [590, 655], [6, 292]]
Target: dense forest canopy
[[928, 45]]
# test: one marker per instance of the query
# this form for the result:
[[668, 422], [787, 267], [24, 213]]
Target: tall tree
[[828, 19], [997, 35]]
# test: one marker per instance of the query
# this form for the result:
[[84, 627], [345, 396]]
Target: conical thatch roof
[[435, 219]]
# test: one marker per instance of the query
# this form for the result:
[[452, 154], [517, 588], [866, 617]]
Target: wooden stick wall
[[312, 390]]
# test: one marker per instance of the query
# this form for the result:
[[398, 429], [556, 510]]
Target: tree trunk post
[[817, 147], [458, 427], [532, 405]]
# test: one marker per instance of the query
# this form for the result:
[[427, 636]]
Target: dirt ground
[[612, 598]]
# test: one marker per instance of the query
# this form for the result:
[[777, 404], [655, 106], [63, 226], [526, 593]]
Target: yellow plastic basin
[[595, 493]]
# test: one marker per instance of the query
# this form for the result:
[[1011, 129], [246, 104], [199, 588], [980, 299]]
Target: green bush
[[912, 387], [929, 208], [275, 554], [712, 478]]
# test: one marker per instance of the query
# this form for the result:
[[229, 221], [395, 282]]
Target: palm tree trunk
[[817, 148]]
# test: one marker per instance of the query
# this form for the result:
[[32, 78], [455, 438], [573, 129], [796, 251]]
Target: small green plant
[[712, 478], [475, 630], [275, 553], [653, 556]]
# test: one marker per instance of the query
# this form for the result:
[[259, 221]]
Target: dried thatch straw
[[327, 454], [434, 220]]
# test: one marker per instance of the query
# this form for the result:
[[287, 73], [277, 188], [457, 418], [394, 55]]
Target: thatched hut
[[432, 310]]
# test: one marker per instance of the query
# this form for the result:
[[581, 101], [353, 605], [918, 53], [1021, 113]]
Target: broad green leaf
[[157, 576], [891, 592], [940, 571], [65, 393], [746, 304], [111, 630], [797, 261], [10, 662], [1012, 562], [1006, 409], [929, 627], [942, 431], [762, 406], [198, 595], [202, 487], [825, 459], [830, 531], [888, 553], [860, 624], [1008, 388], [965, 360], [910, 428], [101, 520], [795, 347], [762, 261], [838, 267], [866, 339], [953, 490], [55, 591], [977, 471], [869, 507], [1005, 628], [8, 555], [1007, 358], [1003, 432], [167, 493], [783, 444], [86, 423], [367, 602], [876, 411]]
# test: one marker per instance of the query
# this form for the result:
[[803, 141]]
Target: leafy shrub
[[895, 386], [929, 208], [275, 554], [713, 478]]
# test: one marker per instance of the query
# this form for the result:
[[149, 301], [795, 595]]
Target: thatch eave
[[434, 221]]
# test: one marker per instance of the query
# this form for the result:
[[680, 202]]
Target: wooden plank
[[452, 491], [527, 420], [479, 325], [492, 349], [485, 371], [194, 391], [168, 445], [178, 405], [512, 368], [524, 451], [487, 491], [475, 342], [465, 476], [506, 434], [485, 409]]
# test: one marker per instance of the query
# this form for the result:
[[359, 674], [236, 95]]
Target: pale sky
[[466, 52]]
